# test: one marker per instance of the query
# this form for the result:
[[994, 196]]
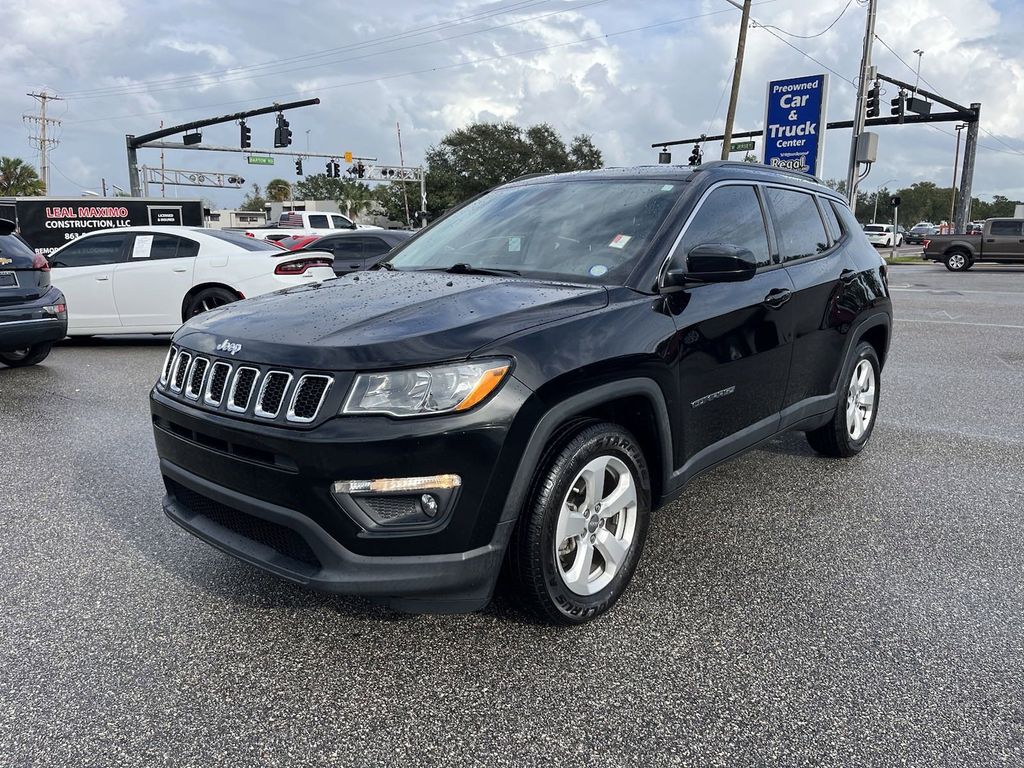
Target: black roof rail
[[758, 167]]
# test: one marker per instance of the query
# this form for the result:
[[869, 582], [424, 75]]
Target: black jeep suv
[[522, 383]]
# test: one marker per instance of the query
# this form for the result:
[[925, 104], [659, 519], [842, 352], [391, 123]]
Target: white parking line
[[951, 291], [954, 322]]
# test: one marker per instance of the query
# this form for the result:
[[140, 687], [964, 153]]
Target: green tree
[[278, 190], [473, 159], [254, 200], [320, 186], [18, 178], [356, 198]]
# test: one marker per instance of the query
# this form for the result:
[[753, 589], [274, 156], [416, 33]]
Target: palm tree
[[358, 198], [18, 178], [278, 190]]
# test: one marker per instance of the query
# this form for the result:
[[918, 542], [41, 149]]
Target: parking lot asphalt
[[788, 610]]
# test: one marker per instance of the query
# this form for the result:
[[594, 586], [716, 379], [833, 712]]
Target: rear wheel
[[207, 299], [957, 261], [850, 427], [580, 536], [19, 358]]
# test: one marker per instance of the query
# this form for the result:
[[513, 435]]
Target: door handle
[[777, 297], [102, 279], [181, 269]]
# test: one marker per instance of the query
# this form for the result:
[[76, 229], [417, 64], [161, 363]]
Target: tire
[[575, 580], [957, 261], [29, 356], [850, 427], [207, 299]]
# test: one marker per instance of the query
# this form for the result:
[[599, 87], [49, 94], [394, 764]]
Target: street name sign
[[260, 160], [794, 123]]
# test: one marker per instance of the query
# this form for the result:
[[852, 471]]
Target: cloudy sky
[[628, 72]]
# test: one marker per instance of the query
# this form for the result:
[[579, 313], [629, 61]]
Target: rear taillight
[[39, 262], [926, 242], [299, 266]]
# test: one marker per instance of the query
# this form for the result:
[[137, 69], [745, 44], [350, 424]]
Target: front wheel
[[580, 536], [957, 261], [19, 358], [850, 427]]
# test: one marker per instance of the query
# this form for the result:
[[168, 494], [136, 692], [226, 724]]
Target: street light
[[874, 215], [919, 53], [956, 162]]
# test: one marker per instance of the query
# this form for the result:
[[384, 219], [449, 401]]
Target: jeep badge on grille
[[229, 346]]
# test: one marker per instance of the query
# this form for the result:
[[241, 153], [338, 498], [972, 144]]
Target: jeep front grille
[[217, 384], [241, 388], [194, 388], [245, 390], [268, 403], [309, 396]]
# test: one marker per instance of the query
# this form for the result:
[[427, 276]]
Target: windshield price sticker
[[794, 124], [619, 241]]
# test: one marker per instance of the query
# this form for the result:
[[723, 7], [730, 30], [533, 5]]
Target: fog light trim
[[398, 484]]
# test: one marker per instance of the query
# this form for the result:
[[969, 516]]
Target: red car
[[294, 242]]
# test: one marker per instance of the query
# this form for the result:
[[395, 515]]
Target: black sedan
[[358, 249], [32, 312]]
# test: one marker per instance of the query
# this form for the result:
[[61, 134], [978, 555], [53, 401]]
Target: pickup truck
[[1001, 241], [293, 223]]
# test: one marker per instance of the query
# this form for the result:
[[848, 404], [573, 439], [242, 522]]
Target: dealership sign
[[794, 124]]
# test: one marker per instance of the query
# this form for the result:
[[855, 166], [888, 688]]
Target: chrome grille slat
[[220, 373], [181, 366], [272, 392], [306, 404], [196, 378], [165, 372], [242, 386]]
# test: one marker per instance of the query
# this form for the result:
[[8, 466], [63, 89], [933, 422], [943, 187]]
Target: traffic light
[[898, 106], [696, 157], [245, 141], [873, 106], [282, 134], [333, 169], [298, 167]]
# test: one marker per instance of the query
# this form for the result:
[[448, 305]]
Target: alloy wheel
[[596, 525], [860, 400]]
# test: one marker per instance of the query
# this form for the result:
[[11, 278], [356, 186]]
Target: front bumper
[[262, 493], [26, 324]]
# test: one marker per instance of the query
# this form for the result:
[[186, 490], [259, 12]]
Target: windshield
[[588, 231], [876, 228], [248, 243]]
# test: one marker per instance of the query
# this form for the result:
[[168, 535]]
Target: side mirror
[[714, 263]]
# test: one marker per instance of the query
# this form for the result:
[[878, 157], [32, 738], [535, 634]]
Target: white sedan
[[882, 234], [152, 279]]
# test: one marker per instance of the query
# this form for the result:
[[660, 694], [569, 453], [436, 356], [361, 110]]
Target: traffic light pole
[[963, 204], [133, 143], [859, 116]]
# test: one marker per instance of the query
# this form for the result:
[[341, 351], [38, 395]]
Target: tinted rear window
[[11, 246], [248, 243], [798, 227], [1005, 228]]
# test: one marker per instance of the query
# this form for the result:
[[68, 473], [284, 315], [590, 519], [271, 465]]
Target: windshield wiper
[[384, 265], [469, 269]]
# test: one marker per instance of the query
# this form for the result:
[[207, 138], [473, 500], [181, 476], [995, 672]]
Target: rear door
[[348, 253], [810, 245], [84, 272], [1003, 241], [151, 284], [732, 339]]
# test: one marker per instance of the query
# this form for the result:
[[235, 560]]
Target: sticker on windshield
[[598, 269], [514, 244], [142, 247], [619, 241], [667, 187]]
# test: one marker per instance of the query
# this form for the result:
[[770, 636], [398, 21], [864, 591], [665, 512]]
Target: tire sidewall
[[864, 352], [196, 301], [949, 262], [615, 442], [36, 354]]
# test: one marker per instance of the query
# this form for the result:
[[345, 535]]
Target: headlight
[[441, 389]]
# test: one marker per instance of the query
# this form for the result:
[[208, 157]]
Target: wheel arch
[[195, 289], [636, 404]]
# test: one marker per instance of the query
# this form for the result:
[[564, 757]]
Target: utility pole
[[163, 187], [956, 162], [42, 141], [862, 92], [963, 204], [737, 72], [401, 162]]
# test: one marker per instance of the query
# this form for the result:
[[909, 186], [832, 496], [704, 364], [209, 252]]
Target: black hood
[[384, 318]]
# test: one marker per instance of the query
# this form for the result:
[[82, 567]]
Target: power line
[[441, 68], [904, 63], [818, 34], [805, 54], [516, 6]]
